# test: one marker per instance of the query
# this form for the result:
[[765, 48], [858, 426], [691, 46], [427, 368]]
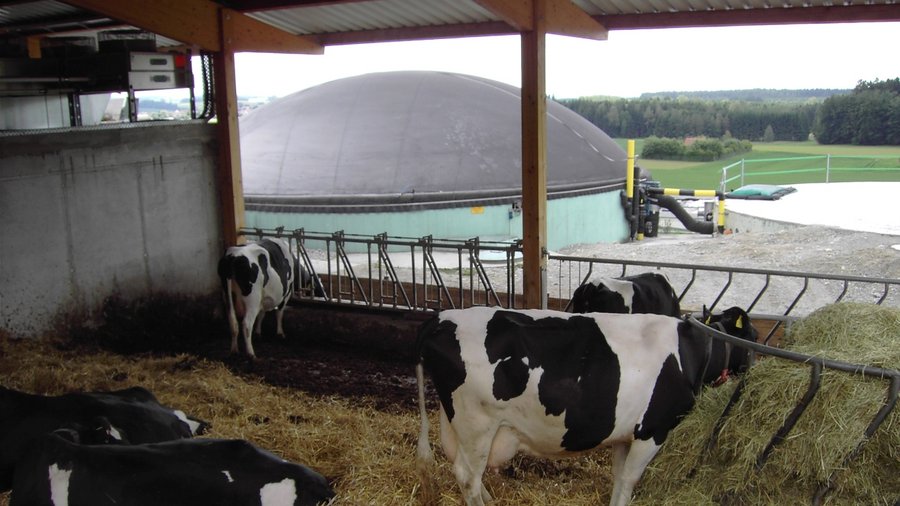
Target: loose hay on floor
[[368, 455], [830, 428]]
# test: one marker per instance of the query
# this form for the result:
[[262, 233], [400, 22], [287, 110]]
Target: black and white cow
[[256, 278], [736, 322], [175, 473], [648, 292], [307, 281], [130, 416], [555, 384]]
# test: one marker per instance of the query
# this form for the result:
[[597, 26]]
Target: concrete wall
[[737, 222], [90, 214]]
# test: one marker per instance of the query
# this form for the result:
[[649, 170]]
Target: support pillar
[[534, 160], [228, 173]]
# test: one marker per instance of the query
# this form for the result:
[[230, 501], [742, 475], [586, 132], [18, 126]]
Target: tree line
[[869, 114]]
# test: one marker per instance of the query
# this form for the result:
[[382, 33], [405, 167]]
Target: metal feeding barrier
[[816, 364], [408, 274], [755, 285], [424, 274]]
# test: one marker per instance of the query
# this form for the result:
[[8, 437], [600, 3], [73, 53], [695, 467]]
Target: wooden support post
[[534, 161], [228, 173]]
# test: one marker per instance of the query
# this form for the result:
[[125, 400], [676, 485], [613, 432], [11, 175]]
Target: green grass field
[[847, 163]]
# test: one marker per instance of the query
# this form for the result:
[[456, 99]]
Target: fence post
[[742, 171], [827, 168]]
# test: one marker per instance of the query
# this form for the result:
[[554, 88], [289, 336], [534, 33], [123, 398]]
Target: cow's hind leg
[[247, 328], [472, 451], [638, 456], [619, 454], [279, 316], [251, 319], [231, 308], [235, 330], [257, 324]]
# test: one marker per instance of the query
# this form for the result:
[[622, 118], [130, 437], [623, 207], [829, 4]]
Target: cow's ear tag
[[739, 323], [708, 318]]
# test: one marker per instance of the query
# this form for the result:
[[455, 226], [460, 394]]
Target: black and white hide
[[555, 384]]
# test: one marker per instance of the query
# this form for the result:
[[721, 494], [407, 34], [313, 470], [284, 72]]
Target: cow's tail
[[424, 456], [226, 273]]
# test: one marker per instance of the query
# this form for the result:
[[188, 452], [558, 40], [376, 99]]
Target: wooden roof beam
[[518, 14], [561, 17], [196, 23], [566, 18]]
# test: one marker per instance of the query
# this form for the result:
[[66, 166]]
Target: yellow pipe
[[721, 214], [675, 192], [629, 170]]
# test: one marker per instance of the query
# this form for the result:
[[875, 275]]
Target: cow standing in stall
[[256, 278], [648, 292], [556, 384]]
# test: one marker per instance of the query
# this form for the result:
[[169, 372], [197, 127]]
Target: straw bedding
[[368, 452]]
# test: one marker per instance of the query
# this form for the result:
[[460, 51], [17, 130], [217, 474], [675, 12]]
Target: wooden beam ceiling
[[517, 13], [561, 17], [564, 18], [196, 23]]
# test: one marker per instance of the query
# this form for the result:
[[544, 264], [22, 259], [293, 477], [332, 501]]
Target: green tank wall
[[575, 220]]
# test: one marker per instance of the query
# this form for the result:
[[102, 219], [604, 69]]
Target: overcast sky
[[631, 62]]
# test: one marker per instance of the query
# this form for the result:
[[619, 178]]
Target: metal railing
[[891, 377], [422, 274], [793, 166], [412, 274], [771, 294]]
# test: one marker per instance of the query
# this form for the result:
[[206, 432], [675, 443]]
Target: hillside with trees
[[868, 114], [754, 95]]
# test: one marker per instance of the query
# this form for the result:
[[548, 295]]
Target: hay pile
[[368, 455], [831, 427]]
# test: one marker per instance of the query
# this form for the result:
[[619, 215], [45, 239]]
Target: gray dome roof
[[421, 136]]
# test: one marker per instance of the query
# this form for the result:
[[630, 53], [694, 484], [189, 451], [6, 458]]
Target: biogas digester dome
[[424, 153]]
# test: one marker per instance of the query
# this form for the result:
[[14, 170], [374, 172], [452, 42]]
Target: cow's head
[[736, 322]]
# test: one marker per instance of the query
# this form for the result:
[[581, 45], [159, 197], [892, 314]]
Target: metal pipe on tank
[[629, 189]]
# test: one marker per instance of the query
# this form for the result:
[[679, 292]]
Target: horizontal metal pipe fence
[[826, 164], [776, 295], [424, 273]]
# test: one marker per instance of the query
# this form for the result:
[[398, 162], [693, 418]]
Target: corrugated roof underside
[[614, 7], [374, 15], [360, 16], [388, 14], [35, 11]]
